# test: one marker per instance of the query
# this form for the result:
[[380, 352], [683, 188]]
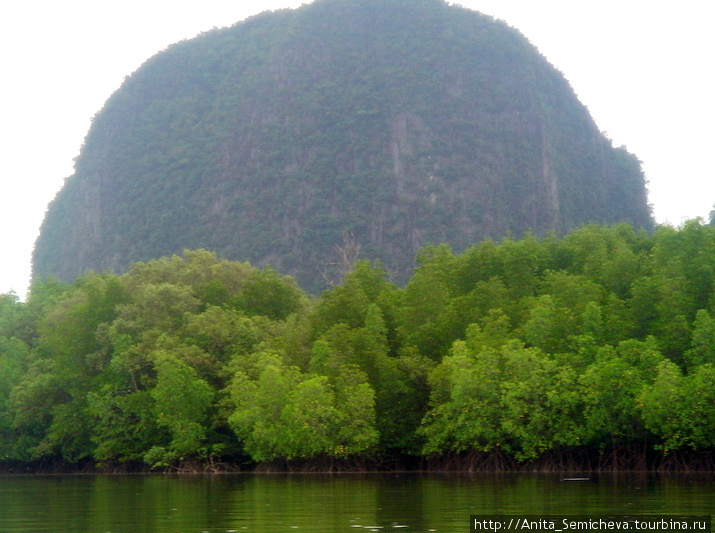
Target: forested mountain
[[375, 126]]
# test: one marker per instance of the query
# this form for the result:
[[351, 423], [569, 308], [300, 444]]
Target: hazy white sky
[[644, 69]]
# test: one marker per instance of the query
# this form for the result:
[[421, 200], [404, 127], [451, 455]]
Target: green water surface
[[329, 503]]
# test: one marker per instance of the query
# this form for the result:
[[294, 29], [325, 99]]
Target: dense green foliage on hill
[[593, 345], [394, 123]]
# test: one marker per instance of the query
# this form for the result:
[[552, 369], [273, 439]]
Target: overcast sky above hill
[[644, 70]]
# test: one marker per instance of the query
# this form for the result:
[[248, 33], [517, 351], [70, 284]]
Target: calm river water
[[328, 503]]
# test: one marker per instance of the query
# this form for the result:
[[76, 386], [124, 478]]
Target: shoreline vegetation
[[572, 462], [591, 352]]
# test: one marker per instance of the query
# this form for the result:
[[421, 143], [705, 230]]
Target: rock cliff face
[[391, 123]]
